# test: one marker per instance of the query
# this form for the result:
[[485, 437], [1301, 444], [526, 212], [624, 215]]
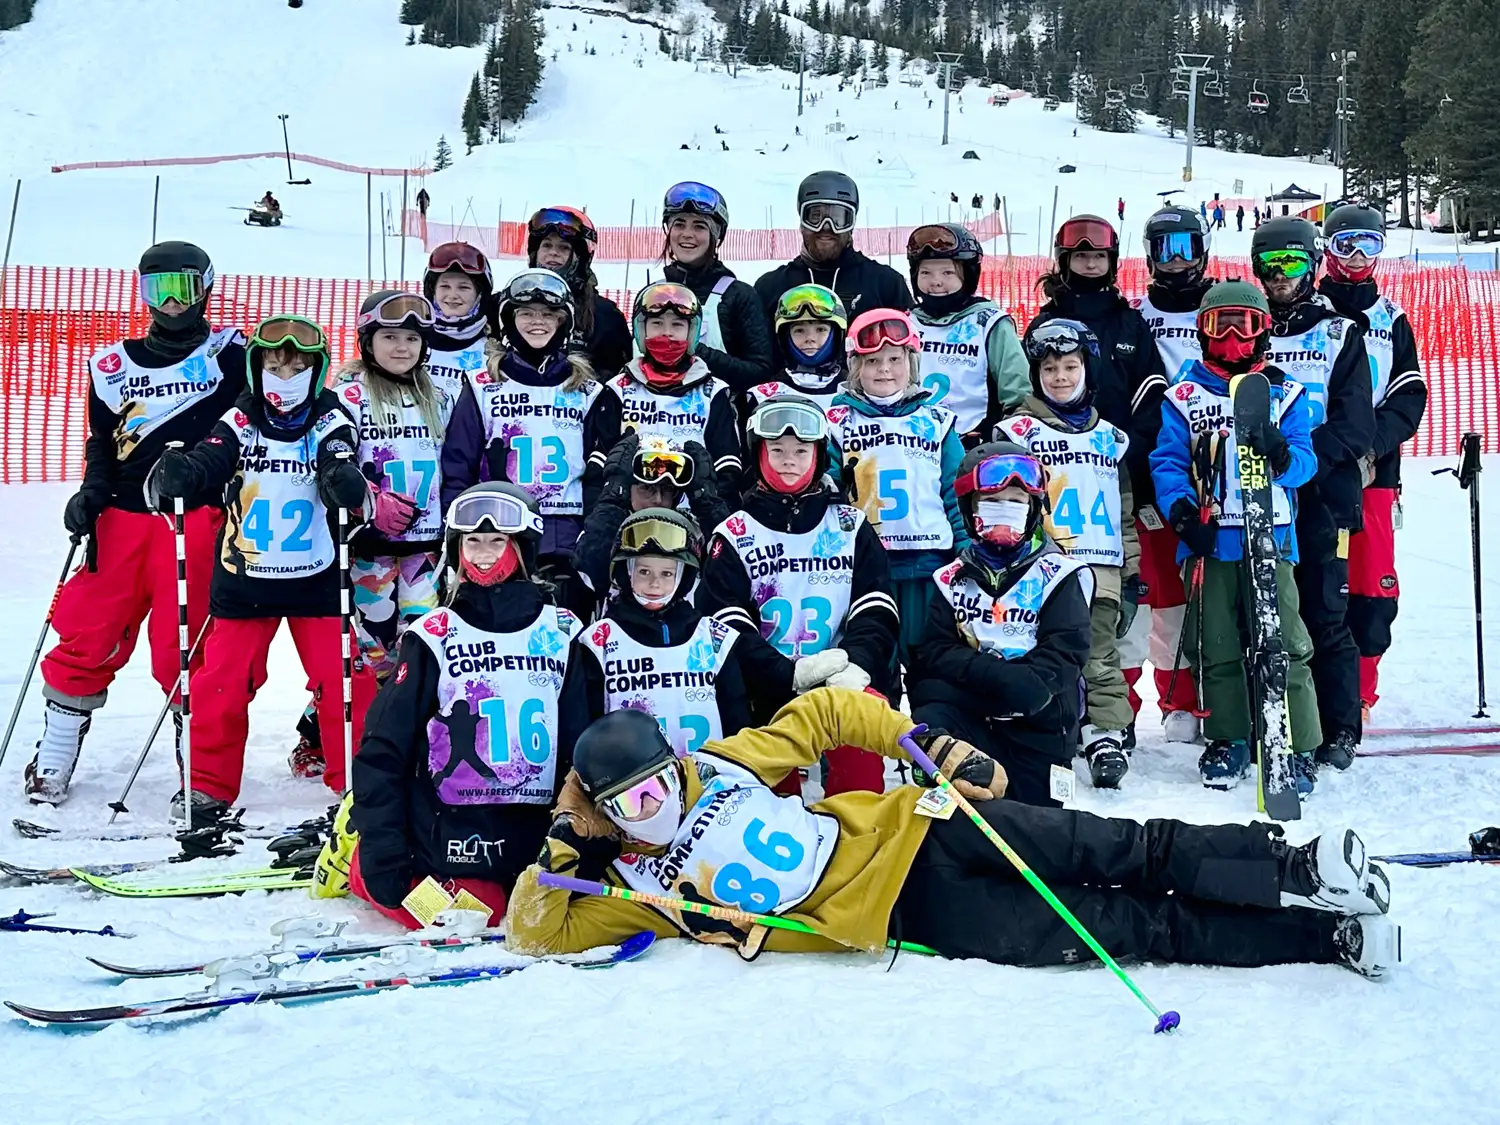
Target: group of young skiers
[[618, 584]]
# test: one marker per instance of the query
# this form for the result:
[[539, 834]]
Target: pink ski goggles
[[630, 804], [873, 330]]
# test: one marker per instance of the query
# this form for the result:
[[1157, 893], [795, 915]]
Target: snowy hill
[[84, 81]]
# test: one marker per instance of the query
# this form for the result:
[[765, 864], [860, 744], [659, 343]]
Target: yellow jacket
[[879, 834]]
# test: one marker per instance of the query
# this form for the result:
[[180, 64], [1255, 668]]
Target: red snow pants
[[99, 613], [491, 894], [1168, 609], [234, 669], [1373, 588]]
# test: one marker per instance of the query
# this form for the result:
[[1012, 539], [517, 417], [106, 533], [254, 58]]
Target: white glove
[[854, 678], [811, 671]]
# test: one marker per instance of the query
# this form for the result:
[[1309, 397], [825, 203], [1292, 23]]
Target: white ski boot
[[1368, 945], [50, 772], [1180, 726], [1333, 873], [1104, 750]]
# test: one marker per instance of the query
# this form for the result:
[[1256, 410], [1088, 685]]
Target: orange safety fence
[[53, 318], [643, 242]]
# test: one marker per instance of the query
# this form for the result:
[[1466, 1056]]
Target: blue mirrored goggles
[[695, 198], [1347, 243], [1182, 244]]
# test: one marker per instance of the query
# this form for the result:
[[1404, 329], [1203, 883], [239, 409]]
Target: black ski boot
[[1339, 752]]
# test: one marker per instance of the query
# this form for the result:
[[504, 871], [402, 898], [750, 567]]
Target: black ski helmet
[[366, 333], [179, 257], [827, 187], [966, 489], [1061, 336], [526, 538], [636, 540], [925, 245], [617, 750], [1352, 216], [1086, 232], [1287, 232], [1171, 220]]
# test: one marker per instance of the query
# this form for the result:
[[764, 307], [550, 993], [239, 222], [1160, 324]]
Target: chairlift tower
[[736, 52], [947, 60], [1192, 66], [1344, 112]]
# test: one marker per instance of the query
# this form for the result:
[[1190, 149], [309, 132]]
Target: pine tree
[[882, 62], [519, 38], [833, 58], [415, 11], [474, 115], [854, 58], [662, 44], [1377, 158], [443, 158], [411, 36]]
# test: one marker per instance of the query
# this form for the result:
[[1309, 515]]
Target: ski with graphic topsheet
[[277, 990], [1266, 664], [14, 872], [34, 831], [1435, 859], [226, 883]]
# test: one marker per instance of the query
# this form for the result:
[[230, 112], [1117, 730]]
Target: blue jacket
[[1171, 462], [906, 565]]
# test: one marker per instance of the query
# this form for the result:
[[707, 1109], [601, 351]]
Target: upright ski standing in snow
[[1267, 663]]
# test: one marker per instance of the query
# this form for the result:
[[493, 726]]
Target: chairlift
[[1345, 109], [1257, 102], [1446, 102], [1298, 94], [1050, 101], [1029, 84], [1214, 87], [1182, 88], [1138, 90], [1113, 99]]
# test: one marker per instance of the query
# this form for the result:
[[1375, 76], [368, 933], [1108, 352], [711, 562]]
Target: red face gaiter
[[499, 570], [773, 478], [666, 356], [1230, 355]]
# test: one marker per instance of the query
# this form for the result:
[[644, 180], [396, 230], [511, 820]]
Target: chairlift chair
[[1298, 94], [1029, 84], [1138, 90], [1214, 87], [1113, 98], [1257, 102]]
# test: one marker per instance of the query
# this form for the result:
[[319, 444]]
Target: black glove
[[342, 485], [973, 772], [705, 480], [387, 888], [595, 853], [83, 509], [1202, 539], [619, 468], [173, 475], [1132, 590], [1268, 441]]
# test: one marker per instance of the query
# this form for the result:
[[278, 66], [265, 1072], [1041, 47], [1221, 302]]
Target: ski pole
[[1467, 473], [707, 909], [118, 806], [1165, 1021], [184, 658], [36, 653], [22, 922], [344, 647]]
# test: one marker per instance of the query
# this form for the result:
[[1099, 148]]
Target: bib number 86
[[736, 885]]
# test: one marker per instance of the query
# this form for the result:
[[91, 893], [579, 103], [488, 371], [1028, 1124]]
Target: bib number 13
[[736, 885]]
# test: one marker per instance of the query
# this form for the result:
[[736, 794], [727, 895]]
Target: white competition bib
[[1309, 358], [542, 428], [1084, 481], [1176, 335], [1382, 317], [1207, 412], [682, 417], [822, 399], [740, 845], [899, 474], [674, 684], [402, 454], [145, 397], [451, 369], [955, 364], [1006, 626], [493, 740], [801, 584]]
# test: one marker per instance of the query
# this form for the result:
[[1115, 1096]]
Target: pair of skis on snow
[[407, 961]]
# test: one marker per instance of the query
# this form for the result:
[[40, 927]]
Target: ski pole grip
[[568, 883], [918, 755]]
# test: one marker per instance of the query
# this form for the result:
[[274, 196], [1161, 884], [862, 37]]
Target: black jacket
[[1333, 498], [870, 629], [405, 831], [1129, 379], [216, 459], [662, 629], [1398, 415], [746, 358], [1030, 700], [122, 481], [609, 345], [862, 283]]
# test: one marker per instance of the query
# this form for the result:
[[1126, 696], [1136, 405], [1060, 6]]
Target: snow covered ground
[[692, 1034]]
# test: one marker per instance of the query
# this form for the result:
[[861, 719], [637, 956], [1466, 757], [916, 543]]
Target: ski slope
[[693, 1034], [202, 77]]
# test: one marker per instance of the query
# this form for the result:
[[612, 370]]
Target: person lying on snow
[[860, 868]]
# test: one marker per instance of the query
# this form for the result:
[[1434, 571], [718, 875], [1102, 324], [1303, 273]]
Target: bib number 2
[[736, 885]]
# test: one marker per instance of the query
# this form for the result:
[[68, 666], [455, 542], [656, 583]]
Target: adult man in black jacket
[[827, 206]]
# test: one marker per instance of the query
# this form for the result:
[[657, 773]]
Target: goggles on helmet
[[664, 295], [503, 513], [1247, 324], [1184, 245], [803, 419], [1002, 470], [403, 310], [289, 331], [821, 214], [650, 535], [1290, 264], [1086, 234], [1347, 243], [187, 287], [538, 287], [806, 302], [868, 336], [630, 803], [932, 237], [652, 466], [565, 221], [1057, 337], [459, 256], [695, 199]]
